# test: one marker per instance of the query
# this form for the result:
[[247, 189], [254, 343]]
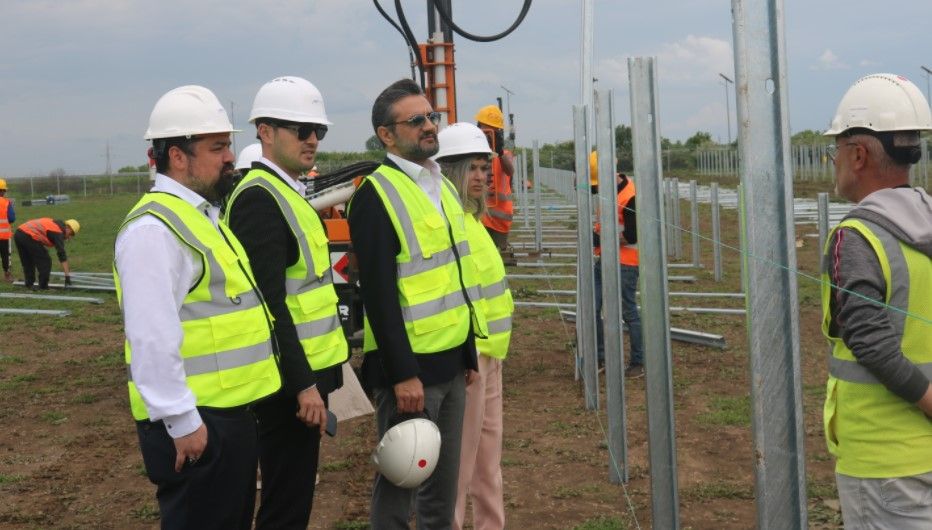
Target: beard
[[414, 151], [229, 178]]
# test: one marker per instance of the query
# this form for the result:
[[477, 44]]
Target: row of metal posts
[[810, 162]]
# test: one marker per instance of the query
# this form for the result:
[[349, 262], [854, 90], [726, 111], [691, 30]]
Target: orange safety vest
[[627, 254], [6, 231], [38, 229], [499, 200]]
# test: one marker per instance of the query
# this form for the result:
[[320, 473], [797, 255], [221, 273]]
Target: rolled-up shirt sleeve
[[156, 273]]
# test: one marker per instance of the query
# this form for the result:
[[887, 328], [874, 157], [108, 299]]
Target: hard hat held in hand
[[289, 98], [492, 116], [408, 452], [462, 138], [188, 111], [251, 153], [882, 103]]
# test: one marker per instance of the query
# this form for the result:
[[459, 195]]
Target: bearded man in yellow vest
[[877, 276], [198, 345], [287, 244], [418, 282]]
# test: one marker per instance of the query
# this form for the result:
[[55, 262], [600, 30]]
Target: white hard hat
[[289, 98], [882, 103], [462, 138], [408, 452], [187, 111], [248, 155]]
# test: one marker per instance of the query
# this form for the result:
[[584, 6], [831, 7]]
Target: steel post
[[538, 203], [694, 220], [585, 286], [716, 235], [645, 136], [823, 220], [772, 300], [677, 222], [611, 289]]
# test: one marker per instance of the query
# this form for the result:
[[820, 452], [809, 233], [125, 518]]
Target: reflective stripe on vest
[[496, 302], [37, 228], [436, 313], [872, 432], [6, 231], [226, 349], [310, 296]]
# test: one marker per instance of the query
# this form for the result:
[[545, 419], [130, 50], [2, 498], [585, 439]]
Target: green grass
[[351, 525], [339, 465], [147, 512], [602, 523], [728, 411], [717, 490], [9, 479], [54, 417]]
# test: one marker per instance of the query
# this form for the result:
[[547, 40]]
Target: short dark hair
[[161, 146], [382, 108]]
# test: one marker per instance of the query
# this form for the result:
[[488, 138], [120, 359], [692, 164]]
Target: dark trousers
[[219, 490], [499, 238], [5, 254], [33, 256], [288, 453]]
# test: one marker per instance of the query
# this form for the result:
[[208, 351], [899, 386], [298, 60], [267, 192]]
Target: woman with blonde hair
[[464, 158]]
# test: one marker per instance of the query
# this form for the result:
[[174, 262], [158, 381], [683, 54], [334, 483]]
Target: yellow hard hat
[[594, 168], [74, 225], [492, 116], [2, 185]]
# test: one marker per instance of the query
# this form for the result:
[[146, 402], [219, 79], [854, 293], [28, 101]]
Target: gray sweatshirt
[[863, 325]]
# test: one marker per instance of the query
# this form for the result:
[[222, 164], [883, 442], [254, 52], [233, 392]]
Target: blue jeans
[[629, 311]]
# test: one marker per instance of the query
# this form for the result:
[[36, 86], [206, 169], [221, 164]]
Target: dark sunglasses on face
[[304, 130], [420, 119]]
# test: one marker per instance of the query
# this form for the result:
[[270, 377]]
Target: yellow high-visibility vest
[[496, 302], [227, 348], [309, 293], [434, 265], [872, 432]]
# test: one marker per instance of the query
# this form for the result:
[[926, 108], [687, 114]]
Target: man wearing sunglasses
[[288, 248], [877, 276], [408, 232]]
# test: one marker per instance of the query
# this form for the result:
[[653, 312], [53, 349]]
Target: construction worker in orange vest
[[7, 217], [497, 219], [628, 258], [32, 237]]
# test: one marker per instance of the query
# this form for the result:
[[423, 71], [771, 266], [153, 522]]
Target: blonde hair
[[456, 169]]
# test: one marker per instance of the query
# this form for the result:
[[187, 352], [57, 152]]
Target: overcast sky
[[75, 74]]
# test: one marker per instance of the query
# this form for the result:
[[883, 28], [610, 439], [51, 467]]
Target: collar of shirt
[[166, 184], [294, 183], [427, 177]]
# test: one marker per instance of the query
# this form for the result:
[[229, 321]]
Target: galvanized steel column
[[645, 135], [611, 288], [694, 220], [823, 221], [772, 300], [538, 184], [677, 223], [525, 207], [716, 234], [585, 287]]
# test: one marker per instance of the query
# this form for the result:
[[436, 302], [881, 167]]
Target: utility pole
[[109, 167], [928, 73], [727, 105], [511, 117]]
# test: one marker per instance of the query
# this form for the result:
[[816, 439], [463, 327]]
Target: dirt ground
[[69, 456]]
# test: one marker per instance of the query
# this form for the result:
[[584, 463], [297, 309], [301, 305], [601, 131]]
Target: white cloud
[[829, 61], [867, 63]]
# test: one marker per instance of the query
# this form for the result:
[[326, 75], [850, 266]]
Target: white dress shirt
[[294, 183], [428, 177], [156, 272]]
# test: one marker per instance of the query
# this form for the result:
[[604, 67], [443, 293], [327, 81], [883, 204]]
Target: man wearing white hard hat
[[288, 247], [198, 348], [877, 276]]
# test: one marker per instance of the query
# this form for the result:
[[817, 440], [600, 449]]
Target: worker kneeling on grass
[[32, 239]]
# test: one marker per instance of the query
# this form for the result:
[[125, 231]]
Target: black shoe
[[634, 371]]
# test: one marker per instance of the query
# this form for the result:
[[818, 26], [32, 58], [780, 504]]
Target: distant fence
[[77, 185]]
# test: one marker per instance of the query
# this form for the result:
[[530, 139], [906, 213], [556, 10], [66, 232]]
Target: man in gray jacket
[[877, 277]]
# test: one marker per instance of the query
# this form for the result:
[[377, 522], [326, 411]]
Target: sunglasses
[[419, 120], [304, 130]]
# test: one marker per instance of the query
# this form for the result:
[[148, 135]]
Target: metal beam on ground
[[701, 338], [75, 287], [645, 137], [25, 296], [772, 300], [46, 312]]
